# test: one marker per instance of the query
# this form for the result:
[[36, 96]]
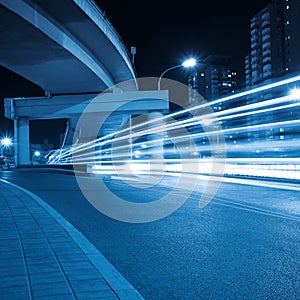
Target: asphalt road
[[245, 244]]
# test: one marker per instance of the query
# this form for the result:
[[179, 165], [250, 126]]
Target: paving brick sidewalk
[[42, 256]]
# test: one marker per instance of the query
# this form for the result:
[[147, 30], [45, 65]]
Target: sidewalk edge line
[[111, 275]]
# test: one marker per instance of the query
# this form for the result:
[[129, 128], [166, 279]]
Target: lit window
[[287, 22], [287, 7]]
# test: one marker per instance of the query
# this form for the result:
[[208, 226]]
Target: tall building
[[275, 51], [275, 42], [214, 80]]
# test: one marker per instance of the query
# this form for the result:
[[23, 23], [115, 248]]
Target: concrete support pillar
[[70, 136], [157, 138], [21, 141]]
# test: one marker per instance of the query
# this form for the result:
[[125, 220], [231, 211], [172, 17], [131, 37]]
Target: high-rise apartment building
[[214, 80], [275, 42], [275, 51]]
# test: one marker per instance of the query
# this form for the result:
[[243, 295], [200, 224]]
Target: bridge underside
[[110, 111], [70, 50], [63, 53]]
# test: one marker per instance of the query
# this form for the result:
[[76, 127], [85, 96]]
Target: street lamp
[[5, 142], [189, 63], [37, 153]]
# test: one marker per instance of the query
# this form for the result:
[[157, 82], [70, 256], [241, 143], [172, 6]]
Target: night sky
[[165, 33]]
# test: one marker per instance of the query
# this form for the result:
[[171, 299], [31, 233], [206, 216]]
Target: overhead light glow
[[6, 142], [295, 93], [37, 153], [189, 63]]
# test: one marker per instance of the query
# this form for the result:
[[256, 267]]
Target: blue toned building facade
[[275, 42], [214, 80], [274, 52]]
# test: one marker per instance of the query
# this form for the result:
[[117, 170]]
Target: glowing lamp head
[[6, 142], [37, 153], [295, 93], [189, 63]]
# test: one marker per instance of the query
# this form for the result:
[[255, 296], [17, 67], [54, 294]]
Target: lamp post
[[191, 62], [5, 142]]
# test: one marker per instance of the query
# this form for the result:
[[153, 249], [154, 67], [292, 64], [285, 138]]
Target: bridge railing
[[99, 18]]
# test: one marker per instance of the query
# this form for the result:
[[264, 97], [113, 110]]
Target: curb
[[123, 289]]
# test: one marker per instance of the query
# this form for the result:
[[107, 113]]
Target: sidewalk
[[42, 256]]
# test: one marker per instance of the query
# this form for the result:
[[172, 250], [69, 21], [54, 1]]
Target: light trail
[[245, 147], [197, 119], [201, 106], [86, 153], [227, 131], [182, 138], [185, 123]]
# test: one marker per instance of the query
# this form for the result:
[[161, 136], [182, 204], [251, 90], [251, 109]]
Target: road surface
[[245, 244]]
